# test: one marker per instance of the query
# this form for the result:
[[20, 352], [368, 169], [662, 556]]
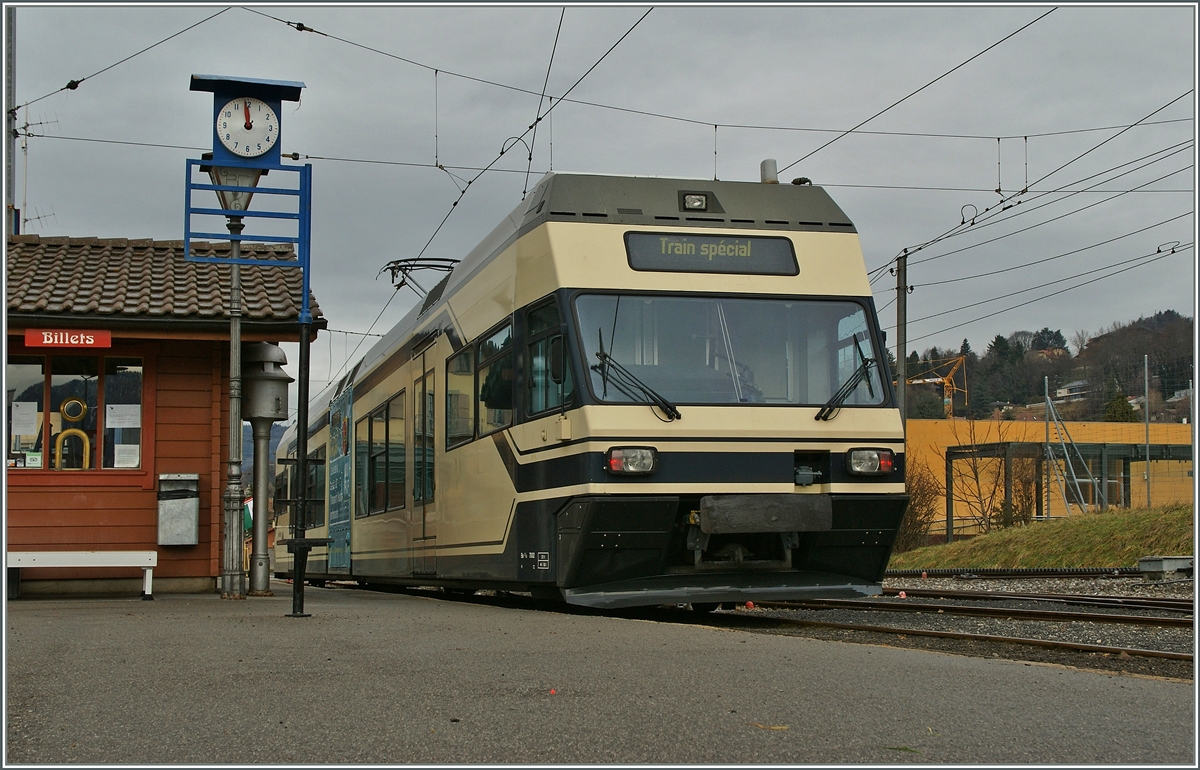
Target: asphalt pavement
[[401, 678]]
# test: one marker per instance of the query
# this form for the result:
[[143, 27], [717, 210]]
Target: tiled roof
[[146, 279]]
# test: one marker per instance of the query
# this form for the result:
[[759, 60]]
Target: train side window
[[422, 445], [362, 476], [395, 452], [314, 511], [378, 462], [495, 378], [544, 326], [460, 397], [281, 496]]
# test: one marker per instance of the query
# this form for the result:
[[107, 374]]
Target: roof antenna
[[768, 171]]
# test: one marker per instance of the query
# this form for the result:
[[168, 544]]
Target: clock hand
[[249, 125]]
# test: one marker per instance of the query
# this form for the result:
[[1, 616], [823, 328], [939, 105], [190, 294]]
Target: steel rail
[[986, 638], [1132, 602], [1017, 572], [868, 605]]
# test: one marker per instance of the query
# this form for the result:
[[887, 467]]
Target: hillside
[[1108, 364]]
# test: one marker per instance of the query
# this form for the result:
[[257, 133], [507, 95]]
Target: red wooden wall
[[185, 430]]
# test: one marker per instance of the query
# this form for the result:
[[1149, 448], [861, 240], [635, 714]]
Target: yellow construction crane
[[948, 387]]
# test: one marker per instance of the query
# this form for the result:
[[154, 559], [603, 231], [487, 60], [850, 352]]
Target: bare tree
[[1079, 340], [925, 494]]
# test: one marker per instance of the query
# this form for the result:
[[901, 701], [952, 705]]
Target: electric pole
[[902, 335], [10, 125]]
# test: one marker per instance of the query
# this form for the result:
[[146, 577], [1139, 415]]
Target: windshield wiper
[[861, 373], [628, 383]]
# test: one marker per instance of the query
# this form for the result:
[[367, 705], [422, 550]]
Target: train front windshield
[[722, 350]]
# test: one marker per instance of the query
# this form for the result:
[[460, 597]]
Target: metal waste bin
[[178, 508]]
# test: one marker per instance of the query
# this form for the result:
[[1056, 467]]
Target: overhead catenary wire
[[545, 85], [1046, 221], [463, 192], [1044, 284], [965, 226], [74, 84], [1004, 200], [1049, 259], [922, 88], [443, 166], [695, 121], [1047, 296], [539, 119], [995, 218]]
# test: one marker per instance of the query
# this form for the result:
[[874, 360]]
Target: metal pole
[[260, 566], [10, 110], [949, 498], [1049, 459], [233, 576], [902, 335], [300, 554], [1146, 364]]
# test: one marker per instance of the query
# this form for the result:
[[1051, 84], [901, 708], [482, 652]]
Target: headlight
[[870, 462], [695, 202], [631, 459]]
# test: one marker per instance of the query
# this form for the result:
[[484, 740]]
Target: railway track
[[966, 636], [1129, 602], [1007, 613]]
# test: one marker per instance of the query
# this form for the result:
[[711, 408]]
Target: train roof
[[636, 201]]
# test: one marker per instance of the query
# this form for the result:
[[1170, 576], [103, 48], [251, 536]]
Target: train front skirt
[[717, 588]]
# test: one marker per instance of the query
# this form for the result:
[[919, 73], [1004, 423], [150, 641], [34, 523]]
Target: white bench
[[147, 560]]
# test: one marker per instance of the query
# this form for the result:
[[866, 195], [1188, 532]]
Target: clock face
[[247, 127]]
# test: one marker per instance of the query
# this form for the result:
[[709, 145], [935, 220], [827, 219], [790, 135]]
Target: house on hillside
[[118, 375], [1073, 391]]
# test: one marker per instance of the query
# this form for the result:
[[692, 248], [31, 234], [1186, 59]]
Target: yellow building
[[979, 483]]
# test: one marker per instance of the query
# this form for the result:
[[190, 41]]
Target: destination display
[[677, 253]]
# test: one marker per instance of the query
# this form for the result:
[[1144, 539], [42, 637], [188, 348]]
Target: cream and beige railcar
[[634, 391]]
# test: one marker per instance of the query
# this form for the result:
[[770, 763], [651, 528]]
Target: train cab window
[[731, 350], [544, 327], [495, 378], [380, 452], [460, 397]]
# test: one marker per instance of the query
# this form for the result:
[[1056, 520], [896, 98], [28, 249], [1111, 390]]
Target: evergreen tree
[[1118, 410], [1048, 340]]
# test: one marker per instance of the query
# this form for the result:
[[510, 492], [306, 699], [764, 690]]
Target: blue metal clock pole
[[233, 576], [246, 135]]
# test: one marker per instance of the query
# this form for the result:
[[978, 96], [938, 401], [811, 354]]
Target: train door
[[424, 526], [340, 488]]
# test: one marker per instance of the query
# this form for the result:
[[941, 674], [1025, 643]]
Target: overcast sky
[[806, 72]]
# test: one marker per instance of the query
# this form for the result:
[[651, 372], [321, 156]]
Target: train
[[635, 391]]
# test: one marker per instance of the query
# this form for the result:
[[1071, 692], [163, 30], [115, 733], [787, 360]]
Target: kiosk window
[[74, 413]]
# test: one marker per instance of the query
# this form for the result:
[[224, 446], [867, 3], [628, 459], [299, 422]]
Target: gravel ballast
[[1119, 635]]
